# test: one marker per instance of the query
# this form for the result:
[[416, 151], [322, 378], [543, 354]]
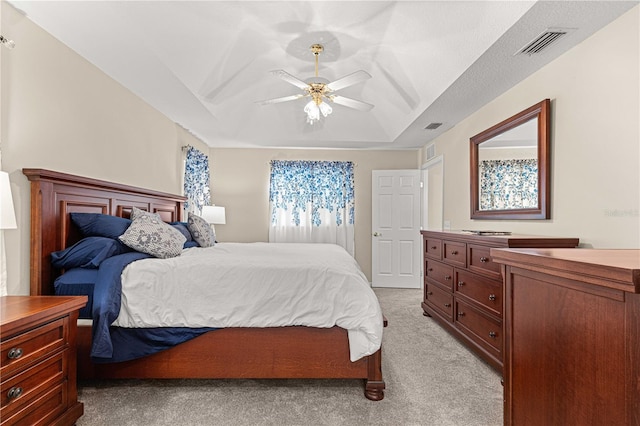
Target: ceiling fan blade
[[349, 80], [278, 100], [290, 79], [351, 103]]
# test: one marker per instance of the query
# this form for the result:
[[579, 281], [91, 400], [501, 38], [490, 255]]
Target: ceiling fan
[[321, 91]]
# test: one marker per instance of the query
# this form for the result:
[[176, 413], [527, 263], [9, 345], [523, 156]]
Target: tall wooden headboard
[[54, 195]]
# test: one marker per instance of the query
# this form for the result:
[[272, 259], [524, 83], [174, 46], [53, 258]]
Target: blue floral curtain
[[196, 180], [312, 201], [508, 184]]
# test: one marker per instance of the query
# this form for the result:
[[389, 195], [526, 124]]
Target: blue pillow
[[100, 225], [87, 253], [182, 227], [189, 244]]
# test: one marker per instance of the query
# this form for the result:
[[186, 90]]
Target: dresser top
[[614, 268], [511, 240]]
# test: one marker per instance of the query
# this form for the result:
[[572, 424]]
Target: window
[[312, 202]]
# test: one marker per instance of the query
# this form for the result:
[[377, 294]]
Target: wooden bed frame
[[256, 353]]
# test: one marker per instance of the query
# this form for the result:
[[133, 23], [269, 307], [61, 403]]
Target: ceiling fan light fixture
[[325, 109], [312, 111], [321, 91]]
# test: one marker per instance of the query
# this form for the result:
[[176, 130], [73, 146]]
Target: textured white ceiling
[[205, 64]]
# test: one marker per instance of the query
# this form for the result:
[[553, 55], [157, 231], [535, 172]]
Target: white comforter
[[254, 285]]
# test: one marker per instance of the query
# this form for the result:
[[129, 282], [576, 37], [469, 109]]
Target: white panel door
[[396, 243]]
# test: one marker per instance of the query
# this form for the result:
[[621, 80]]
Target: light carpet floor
[[431, 379]]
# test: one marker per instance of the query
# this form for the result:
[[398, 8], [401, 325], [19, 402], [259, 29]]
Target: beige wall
[[59, 112], [595, 179], [240, 183]]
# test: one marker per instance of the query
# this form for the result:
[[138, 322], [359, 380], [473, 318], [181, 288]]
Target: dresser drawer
[[454, 253], [23, 388], [480, 261], [440, 273], [439, 299], [17, 352], [482, 290], [433, 248], [482, 329]]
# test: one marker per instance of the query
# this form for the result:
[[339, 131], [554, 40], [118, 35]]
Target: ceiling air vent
[[433, 126], [544, 40]]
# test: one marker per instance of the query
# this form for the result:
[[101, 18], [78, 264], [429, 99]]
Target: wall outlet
[[446, 225]]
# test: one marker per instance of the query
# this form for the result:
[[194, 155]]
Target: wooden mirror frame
[[540, 110]]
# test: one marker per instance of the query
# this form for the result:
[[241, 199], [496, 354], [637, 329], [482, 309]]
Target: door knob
[[377, 234]]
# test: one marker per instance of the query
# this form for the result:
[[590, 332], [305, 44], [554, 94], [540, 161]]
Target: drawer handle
[[14, 353], [433, 247], [447, 277], [447, 305], [460, 283], [484, 259], [430, 269], [460, 314], [429, 293], [492, 297], [14, 393], [454, 252], [493, 334]]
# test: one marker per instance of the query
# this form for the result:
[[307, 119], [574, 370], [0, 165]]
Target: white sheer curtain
[[196, 180], [312, 202]]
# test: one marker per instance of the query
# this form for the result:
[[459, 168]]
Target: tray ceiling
[[205, 64]]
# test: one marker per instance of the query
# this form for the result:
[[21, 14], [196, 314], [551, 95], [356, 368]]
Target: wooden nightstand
[[38, 360]]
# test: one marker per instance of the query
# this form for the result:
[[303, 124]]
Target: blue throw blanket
[[117, 344]]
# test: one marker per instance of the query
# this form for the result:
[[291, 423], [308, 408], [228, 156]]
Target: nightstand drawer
[[25, 348], [45, 408], [23, 388]]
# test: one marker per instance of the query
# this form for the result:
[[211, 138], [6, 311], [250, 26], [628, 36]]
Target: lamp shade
[[214, 215], [7, 214]]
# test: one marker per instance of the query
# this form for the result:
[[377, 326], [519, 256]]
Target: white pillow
[[201, 230], [149, 234]]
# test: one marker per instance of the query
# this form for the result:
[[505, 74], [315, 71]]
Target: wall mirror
[[510, 167]]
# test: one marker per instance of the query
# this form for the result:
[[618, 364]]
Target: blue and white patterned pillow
[[149, 234], [136, 213], [201, 230]]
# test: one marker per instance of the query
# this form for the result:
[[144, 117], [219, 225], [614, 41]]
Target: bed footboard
[[246, 353]]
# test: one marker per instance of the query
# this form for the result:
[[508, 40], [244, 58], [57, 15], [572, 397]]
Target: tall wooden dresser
[[463, 286], [572, 352], [38, 360]]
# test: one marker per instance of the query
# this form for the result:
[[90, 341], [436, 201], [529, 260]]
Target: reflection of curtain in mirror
[[508, 184], [312, 202]]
